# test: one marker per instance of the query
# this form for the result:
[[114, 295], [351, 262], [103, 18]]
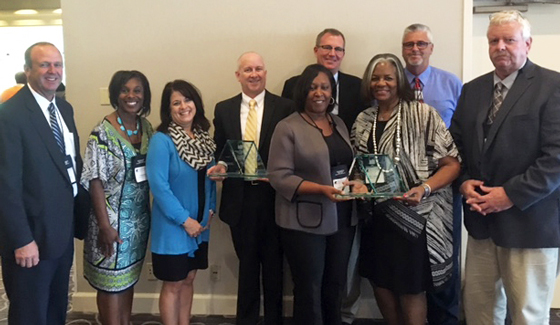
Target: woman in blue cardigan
[[184, 197]]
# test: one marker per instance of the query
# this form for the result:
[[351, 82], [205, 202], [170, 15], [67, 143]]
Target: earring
[[333, 101]]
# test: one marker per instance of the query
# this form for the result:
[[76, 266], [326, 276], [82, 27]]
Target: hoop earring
[[333, 101]]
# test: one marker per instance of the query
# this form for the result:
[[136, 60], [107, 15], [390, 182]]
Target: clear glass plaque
[[379, 175], [243, 161]]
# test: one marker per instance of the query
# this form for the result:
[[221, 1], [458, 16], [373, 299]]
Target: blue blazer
[[36, 198]]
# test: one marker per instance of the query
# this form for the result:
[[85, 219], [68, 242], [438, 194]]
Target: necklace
[[128, 132], [397, 157]]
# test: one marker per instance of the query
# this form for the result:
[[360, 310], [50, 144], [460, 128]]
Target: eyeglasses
[[420, 45], [328, 48]]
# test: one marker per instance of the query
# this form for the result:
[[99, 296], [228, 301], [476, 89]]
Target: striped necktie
[[55, 126], [418, 95], [251, 135]]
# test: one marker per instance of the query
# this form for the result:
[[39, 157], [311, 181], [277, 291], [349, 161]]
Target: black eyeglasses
[[328, 48], [421, 45]]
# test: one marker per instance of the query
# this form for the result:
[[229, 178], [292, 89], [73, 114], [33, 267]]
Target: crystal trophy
[[243, 161], [378, 176]]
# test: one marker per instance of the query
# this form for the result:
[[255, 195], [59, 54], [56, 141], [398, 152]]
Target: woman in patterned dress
[[114, 174], [406, 245], [184, 198]]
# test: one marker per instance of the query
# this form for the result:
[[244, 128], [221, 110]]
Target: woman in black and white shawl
[[406, 246]]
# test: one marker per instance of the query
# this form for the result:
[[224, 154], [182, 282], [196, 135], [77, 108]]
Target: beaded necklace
[[128, 132], [397, 157]]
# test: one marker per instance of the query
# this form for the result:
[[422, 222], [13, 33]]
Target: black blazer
[[349, 98], [521, 153], [36, 198], [227, 126]]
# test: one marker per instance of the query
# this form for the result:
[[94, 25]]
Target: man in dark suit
[[507, 129], [38, 172], [248, 206], [329, 50]]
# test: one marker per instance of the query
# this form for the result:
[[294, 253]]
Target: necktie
[[251, 135], [418, 95], [57, 132], [497, 101]]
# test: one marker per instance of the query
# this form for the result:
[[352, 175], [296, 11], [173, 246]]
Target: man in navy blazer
[[248, 206], [37, 190], [510, 179], [329, 50]]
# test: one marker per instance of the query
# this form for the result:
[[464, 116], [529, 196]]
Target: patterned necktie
[[418, 95], [251, 135], [57, 132], [496, 102]]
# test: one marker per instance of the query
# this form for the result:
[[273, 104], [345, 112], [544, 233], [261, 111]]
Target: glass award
[[243, 161], [380, 176]]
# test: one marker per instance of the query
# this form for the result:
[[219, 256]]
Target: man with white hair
[[440, 89], [507, 129]]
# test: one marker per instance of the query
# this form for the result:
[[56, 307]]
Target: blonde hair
[[510, 16]]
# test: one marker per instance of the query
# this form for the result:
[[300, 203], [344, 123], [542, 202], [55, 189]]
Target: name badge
[[339, 176], [139, 167], [71, 173]]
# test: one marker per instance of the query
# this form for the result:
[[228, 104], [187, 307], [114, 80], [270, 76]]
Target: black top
[[340, 154]]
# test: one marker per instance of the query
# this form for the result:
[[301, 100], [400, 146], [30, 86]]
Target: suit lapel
[[520, 85], [235, 119], [341, 91], [484, 102], [268, 113], [41, 126]]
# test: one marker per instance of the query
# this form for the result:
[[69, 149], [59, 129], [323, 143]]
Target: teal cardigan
[[174, 187]]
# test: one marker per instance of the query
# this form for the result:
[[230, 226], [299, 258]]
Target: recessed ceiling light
[[57, 11], [26, 12], [29, 22]]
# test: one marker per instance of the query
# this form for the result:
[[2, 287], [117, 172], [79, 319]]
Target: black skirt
[[174, 268], [391, 261]]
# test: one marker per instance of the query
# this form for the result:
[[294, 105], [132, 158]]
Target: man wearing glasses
[[329, 51], [441, 90], [437, 88]]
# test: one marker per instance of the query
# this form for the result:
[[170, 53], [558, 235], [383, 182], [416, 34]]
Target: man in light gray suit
[[507, 129]]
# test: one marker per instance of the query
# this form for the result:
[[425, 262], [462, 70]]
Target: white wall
[[200, 41], [15, 40]]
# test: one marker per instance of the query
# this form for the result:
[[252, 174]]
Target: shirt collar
[[259, 99], [424, 76], [42, 101]]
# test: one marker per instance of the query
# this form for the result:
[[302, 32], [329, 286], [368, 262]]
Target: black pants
[[38, 295], [256, 239], [318, 264]]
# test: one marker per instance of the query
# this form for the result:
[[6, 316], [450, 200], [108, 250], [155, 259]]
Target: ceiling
[[12, 5]]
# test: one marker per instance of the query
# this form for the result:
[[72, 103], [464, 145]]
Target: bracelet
[[427, 189]]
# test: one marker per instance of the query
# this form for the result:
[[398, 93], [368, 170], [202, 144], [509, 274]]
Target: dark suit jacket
[[521, 153], [349, 99], [227, 126], [36, 198]]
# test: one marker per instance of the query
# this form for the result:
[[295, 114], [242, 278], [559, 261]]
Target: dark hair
[[332, 31], [189, 91], [119, 79], [404, 91], [27, 54], [21, 77], [304, 82]]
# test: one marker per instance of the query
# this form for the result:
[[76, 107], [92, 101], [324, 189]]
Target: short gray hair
[[419, 28], [510, 16]]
